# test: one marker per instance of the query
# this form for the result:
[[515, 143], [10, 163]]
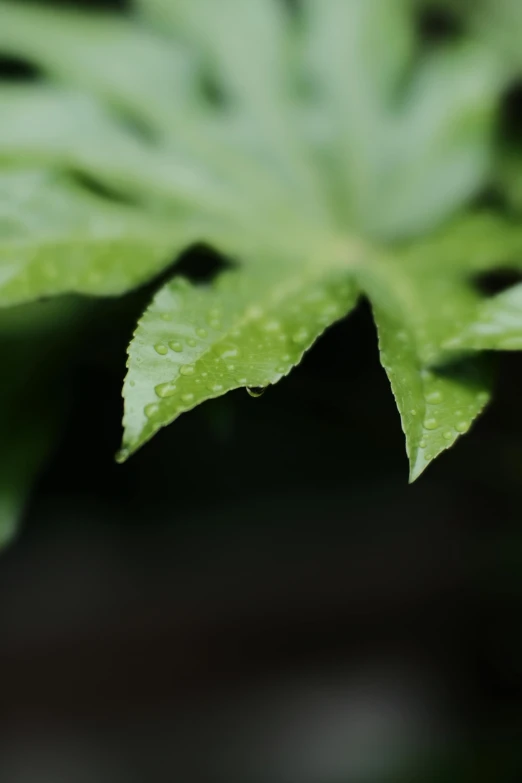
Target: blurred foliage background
[[259, 596]]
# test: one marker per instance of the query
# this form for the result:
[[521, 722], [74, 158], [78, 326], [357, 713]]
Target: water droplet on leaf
[[161, 349], [434, 397], [254, 312], [256, 391], [165, 390], [187, 369], [301, 336], [176, 346], [230, 353]]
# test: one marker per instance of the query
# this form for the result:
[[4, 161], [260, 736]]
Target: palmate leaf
[[314, 149], [249, 330], [177, 360]]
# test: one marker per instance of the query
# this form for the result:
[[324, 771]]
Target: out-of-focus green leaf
[[496, 325], [357, 54], [71, 132], [130, 65], [470, 244], [405, 148], [509, 176], [23, 449], [408, 149], [499, 24], [57, 238], [439, 146], [34, 339]]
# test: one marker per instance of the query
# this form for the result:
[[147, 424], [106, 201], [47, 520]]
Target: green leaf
[[423, 296], [499, 24], [509, 177], [188, 165], [415, 309], [495, 326], [440, 144], [70, 131], [33, 342], [473, 245], [22, 453], [106, 54], [470, 244], [276, 139], [409, 147], [357, 54], [248, 329], [420, 293], [57, 238], [254, 65]]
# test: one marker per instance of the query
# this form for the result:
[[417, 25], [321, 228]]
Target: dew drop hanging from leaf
[[256, 391]]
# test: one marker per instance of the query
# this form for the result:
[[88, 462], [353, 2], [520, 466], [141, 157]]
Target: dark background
[[258, 595]]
